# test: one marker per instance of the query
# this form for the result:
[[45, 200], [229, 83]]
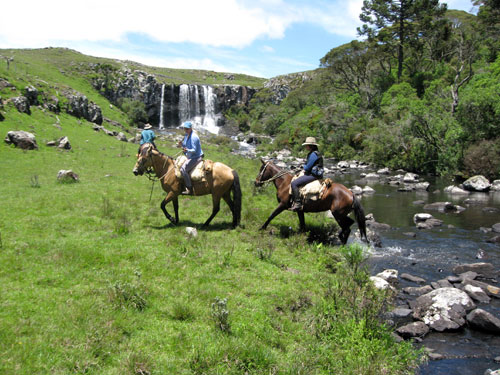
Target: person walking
[[191, 146], [313, 170]]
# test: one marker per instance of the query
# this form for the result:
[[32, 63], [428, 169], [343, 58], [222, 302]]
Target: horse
[[336, 198], [220, 182]]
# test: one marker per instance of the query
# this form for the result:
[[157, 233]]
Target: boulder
[[63, 143], [477, 183], [483, 321], [495, 185], [490, 290], [441, 284], [477, 294], [443, 309], [357, 190], [486, 270], [79, 106], [22, 104], [368, 190], [415, 329], [441, 206], [417, 291], [122, 137], [414, 279], [496, 228], [21, 139], [390, 275], [380, 283], [31, 94], [383, 171], [410, 177]]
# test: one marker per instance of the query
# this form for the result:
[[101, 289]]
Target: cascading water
[[201, 113], [162, 125]]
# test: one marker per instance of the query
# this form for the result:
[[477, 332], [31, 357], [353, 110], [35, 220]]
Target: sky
[[263, 38]]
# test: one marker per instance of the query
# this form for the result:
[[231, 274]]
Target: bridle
[[281, 173]]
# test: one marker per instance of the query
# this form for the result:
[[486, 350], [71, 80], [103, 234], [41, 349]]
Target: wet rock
[[481, 254], [419, 203], [417, 291], [368, 190], [383, 171], [377, 226], [443, 207], [455, 190], [483, 321], [410, 177], [492, 372], [477, 183], [496, 228], [495, 185], [390, 275], [494, 239], [490, 290], [443, 309], [454, 279], [358, 190], [491, 210], [429, 224], [486, 270], [372, 176], [477, 294], [401, 312], [421, 217], [410, 234], [21, 139], [415, 329], [441, 284], [414, 279]]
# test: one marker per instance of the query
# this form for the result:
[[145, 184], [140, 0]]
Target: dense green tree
[[134, 109], [399, 23], [489, 19]]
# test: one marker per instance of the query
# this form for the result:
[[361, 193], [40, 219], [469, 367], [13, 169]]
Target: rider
[[313, 169], [147, 136], [192, 149]]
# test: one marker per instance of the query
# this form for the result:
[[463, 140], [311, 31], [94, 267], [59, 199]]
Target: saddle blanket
[[198, 173], [313, 190]]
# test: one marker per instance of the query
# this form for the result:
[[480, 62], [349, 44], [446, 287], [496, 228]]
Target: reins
[[150, 173], [281, 173]]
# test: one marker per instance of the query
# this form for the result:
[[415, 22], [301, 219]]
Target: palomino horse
[[220, 182], [337, 198]]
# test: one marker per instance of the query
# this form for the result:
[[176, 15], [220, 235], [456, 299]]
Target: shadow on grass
[[199, 226], [325, 234]]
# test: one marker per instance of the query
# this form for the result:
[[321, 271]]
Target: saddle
[[314, 190], [198, 173]]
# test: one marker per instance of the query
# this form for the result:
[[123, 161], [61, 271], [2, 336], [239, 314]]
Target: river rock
[[494, 239], [372, 176], [410, 177], [443, 309], [377, 226], [441, 284], [490, 290], [484, 321], [486, 270], [421, 217], [496, 228], [21, 139], [383, 171], [455, 190], [495, 185], [476, 293], [414, 279], [380, 283], [368, 190], [441, 206], [429, 224], [400, 312], [492, 372], [417, 291], [415, 329], [390, 275], [477, 183], [490, 210], [358, 190]]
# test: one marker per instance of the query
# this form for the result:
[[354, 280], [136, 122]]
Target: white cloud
[[267, 49]]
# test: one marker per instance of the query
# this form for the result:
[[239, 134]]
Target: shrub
[[483, 158]]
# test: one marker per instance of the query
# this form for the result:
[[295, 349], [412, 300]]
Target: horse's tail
[[359, 214], [236, 199]]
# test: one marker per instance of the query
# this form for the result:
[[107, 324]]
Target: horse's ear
[[262, 161]]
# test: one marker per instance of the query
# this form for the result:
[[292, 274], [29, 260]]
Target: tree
[[399, 23], [489, 19]]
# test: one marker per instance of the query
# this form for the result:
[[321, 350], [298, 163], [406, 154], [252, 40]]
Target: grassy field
[[95, 281]]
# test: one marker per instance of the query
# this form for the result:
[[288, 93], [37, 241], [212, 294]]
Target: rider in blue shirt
[[191, 146], [147, 136], [313, 170]]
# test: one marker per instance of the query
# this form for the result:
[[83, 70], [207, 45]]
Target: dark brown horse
[[220, 182], [337, 198]]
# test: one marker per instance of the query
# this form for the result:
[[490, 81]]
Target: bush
[[483, 158]]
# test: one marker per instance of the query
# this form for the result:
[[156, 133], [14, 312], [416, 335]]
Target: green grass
[[94, 280]]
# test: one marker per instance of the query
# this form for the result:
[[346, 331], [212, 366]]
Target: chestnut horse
[[337, 198], [220, 182]]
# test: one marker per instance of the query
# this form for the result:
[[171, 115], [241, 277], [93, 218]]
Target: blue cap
[[187, 125]]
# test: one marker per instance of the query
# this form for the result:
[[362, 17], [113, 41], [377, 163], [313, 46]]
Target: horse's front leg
[[171, 196], [281, 207], [302, 221]]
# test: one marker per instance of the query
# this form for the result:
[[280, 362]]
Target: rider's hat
[[187, 125], [310, 141], [147, 126]]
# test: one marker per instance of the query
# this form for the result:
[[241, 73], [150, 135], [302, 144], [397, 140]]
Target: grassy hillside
[[59, 64], [94, 281]]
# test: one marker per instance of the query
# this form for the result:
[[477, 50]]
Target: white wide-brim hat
[[310, 141], [147, 126]]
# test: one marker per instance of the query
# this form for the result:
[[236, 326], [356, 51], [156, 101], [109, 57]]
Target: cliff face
[[170, 104]]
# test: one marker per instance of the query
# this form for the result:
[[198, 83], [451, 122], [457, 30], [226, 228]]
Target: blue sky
[[264, 38]]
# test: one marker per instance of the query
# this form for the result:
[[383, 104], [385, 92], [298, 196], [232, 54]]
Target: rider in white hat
[[147, 135], [313, 169]]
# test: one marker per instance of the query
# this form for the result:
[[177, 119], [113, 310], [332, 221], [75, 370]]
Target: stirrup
[[296, 206]]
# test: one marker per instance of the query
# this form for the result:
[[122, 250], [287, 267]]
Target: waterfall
[[162, 125], [190, 108]]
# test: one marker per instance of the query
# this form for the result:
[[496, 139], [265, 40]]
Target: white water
[[190, 108], [162, 125]]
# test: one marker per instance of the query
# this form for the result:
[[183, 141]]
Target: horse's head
[[144, 159], [265, 173]]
